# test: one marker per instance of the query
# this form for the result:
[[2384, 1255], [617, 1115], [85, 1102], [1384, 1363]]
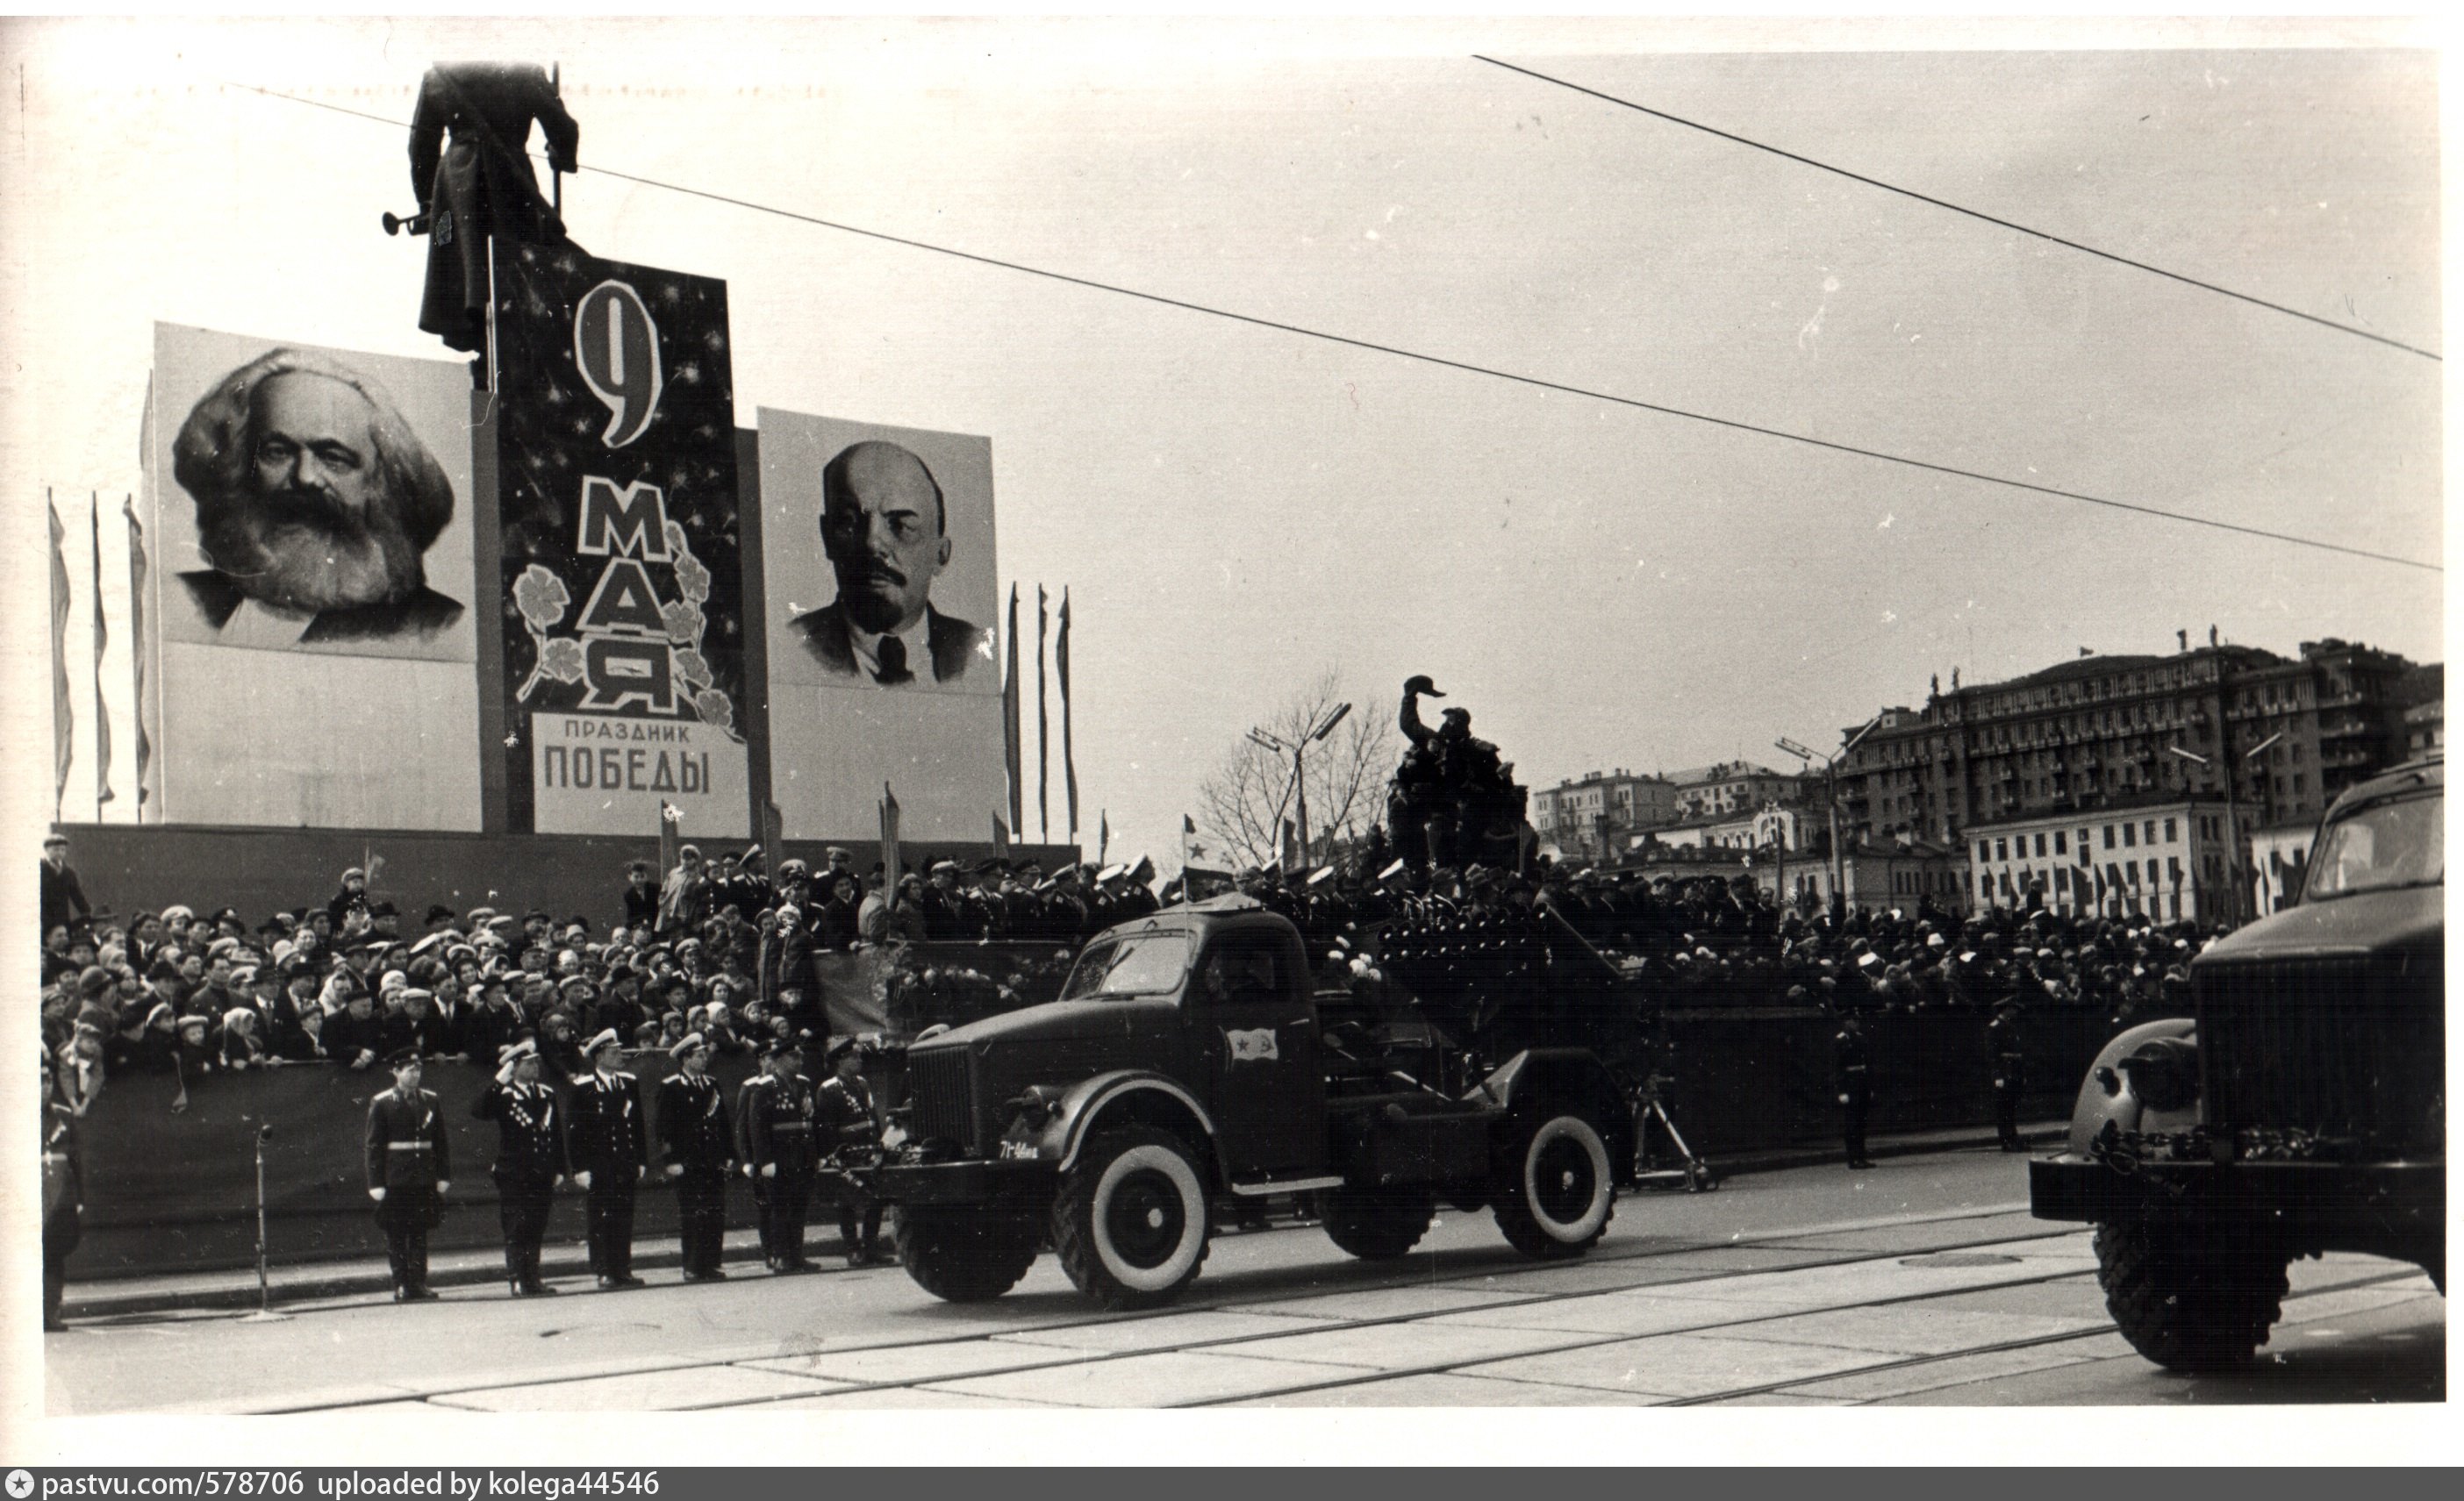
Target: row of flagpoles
[[63, 687], [1013, 727]]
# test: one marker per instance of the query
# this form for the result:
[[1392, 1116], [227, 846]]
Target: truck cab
[[2300, 1110], [1187, 1062]]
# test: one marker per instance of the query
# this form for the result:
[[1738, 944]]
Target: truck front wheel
[[1131, 1219], [964, 1255], [1376, 1224], [2198, 1298], [1555, 1190]]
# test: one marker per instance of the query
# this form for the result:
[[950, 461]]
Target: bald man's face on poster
[[900, 525]]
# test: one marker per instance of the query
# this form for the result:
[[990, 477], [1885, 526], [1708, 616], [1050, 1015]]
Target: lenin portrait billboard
[[311, 585], [881, 584]]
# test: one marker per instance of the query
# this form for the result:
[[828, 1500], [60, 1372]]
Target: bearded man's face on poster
[[314, 500]]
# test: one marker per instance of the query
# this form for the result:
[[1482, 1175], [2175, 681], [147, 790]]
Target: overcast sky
[[1236, 508]]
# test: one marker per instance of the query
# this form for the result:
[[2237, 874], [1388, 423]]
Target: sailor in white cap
[[530, 1159], [609, 1141], [697, 1143]]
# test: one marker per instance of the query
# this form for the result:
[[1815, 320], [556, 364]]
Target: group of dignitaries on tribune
[[777, 1134]]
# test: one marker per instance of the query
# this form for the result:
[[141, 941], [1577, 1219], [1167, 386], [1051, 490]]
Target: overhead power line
[[1442, 361], [1943, 202]]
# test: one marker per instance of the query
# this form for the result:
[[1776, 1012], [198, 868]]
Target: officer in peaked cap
[[843, 1122], [410, 1167], [2005, 1056], [776, 1106], [530, 1159], [698, 1146], [609, 1141], [1855, 1065]]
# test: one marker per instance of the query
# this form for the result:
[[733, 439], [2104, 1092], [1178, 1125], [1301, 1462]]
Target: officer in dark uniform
[[410, 1167], [779, 1154], [1855, 1086], [2006, 1057], [64, 1195], [530, 1159], [696, 1141], [611, 1153], [845, 1126]]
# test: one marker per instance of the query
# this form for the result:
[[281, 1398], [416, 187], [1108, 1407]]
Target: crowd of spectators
[[714, 947], [711, 947]]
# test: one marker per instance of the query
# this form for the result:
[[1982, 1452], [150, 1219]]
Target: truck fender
[[2105, 1095], [1123, 1093], [1563, 1078]]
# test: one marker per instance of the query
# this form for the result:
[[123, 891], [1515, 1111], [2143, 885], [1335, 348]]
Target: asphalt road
[[1921, 1281]]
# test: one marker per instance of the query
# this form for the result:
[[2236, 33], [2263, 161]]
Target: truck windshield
[[2381, 846], [1147, 964]]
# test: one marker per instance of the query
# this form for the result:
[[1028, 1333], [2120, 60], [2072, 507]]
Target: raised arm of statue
[[1413, 729]]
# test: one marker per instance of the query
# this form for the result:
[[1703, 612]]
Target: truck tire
[[1554, 1189], [1376, 1224], [2186, 1300], [1132, 1218], [965, 1255]]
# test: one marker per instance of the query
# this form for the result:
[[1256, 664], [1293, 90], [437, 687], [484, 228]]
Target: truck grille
[[2348, 1050], [936, 1082]]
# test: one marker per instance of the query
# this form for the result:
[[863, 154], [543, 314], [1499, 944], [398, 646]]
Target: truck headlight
[[2165, 1073]]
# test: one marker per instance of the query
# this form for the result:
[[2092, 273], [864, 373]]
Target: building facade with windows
[[1727, 788], [1590, 817], [2166, 859], [2277, 738]]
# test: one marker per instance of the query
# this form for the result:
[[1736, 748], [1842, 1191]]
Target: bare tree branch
[[1246, 798]]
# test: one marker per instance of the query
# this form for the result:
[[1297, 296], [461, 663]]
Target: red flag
[[1043, 732], [1009, 722], [890, 871], [1068, 762], [63, 718], [102, 638], [137, 640]]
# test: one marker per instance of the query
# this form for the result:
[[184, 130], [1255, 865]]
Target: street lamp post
[[2234, 880], [1296, 749], [1830, 797]]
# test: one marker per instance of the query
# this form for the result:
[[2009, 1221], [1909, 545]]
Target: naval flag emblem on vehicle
[[1256, 1046]]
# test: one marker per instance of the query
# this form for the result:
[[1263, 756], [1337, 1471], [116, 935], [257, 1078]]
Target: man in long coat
[[610, 1144], [697, 1143], [473, 177], [410, 1167], [530, 1161]]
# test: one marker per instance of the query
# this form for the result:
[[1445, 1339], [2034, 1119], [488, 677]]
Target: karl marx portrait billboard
[[311, 585], [881, 588]]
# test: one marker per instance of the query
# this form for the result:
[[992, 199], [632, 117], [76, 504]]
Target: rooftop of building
[[2070, 817]]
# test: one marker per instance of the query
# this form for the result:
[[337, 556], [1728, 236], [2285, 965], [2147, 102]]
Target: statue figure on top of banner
[[1453, 803], [469, 167]]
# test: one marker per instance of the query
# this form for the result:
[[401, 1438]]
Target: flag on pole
[[1009, 722], [137, 640], [63, 719], [1188, 832], [1068, 761], [102, 639], [1000, 836], [890, 871], [774, 841], [1043, 731], [1103, 836], [672, 837]]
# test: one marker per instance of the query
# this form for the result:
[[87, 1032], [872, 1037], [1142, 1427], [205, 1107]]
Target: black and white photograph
[[1670, 714]]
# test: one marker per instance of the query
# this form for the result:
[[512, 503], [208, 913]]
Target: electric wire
[[1446, 362], [1972, 213]]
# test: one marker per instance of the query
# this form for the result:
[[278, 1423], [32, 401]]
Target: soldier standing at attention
[[64, 1195], [694, 1138], [410, 1169], [2008, 1063], [1856, 1087], [611, 1153], [530, 1159], [845, 1120], [779, 1154]]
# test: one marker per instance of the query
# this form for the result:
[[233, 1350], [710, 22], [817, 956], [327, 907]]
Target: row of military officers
[[777, 1134]]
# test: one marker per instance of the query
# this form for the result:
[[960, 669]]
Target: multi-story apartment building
[[2166, 859], [1732, 787], [1591, 815], [2276, 738]]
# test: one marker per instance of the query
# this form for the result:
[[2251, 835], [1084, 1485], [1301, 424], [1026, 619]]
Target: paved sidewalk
[[365, 1277]]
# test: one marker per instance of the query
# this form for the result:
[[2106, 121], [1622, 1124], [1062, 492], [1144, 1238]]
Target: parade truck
[[2300, 1110], [1190, 1063]]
